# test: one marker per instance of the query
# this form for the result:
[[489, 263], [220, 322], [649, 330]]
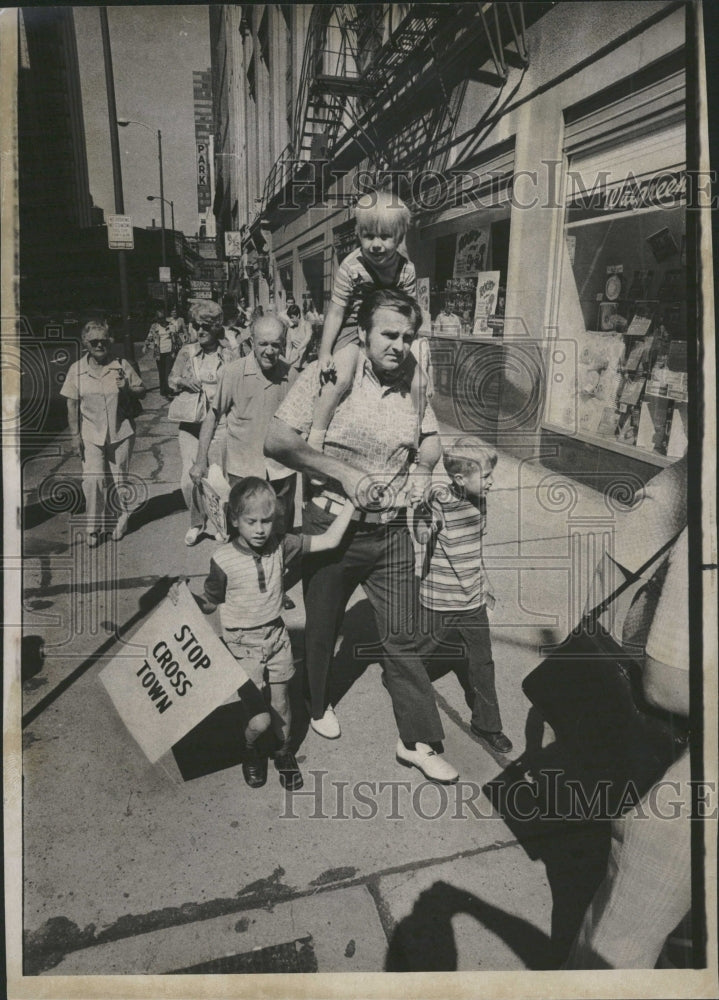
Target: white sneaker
[[328, 726], [432, 765], [192, 535]]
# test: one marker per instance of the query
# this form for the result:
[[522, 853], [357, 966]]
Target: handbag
[[590, 692], [189, 407]]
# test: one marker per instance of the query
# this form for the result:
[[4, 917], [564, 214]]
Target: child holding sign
[[247, 579]]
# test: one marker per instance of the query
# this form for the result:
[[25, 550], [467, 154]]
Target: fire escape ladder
[[504, 26], [397, 99]]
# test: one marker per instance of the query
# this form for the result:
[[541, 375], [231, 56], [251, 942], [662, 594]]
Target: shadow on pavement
[[156, 508], [424, 941], [530, 797]]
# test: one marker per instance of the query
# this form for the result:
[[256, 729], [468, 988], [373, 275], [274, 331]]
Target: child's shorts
[[347, 335], [264, 652]]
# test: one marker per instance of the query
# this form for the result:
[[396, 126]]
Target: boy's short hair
[[468, 454], [246, 490], [384, 210]]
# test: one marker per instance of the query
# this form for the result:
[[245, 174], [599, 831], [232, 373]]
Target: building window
[[618, 370], [467, 290]]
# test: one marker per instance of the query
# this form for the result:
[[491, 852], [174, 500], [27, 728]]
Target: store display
[[663, 244], [673, 284], [654, 424], [485, 301], [677, 443], [613, 287], [423, 299], [608, 311], [641, 285], [631, 392], [608, 422], [471, 254], [639, 326]]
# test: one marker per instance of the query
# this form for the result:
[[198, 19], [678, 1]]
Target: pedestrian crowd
[[344, 401]]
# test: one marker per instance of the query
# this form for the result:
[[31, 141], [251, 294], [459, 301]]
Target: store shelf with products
[[463, 292], [618, 370]]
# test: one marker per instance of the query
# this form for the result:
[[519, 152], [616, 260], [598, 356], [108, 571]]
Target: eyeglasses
[[98, 343]]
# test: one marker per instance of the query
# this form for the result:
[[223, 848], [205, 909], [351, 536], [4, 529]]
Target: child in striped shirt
[[247, 579], [454, 588]]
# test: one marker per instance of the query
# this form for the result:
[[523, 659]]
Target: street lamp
[[124, 122], [155, 197]]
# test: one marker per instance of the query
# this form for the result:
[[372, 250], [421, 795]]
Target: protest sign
[[185, 673], [486, 301]]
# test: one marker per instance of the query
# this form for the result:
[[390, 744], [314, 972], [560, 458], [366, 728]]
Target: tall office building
[[54, 190], [54, 184]]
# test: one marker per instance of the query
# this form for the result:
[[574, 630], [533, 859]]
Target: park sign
[[175, 672], [119, 232]]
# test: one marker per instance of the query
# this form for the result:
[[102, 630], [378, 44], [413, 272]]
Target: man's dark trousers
[[381, 558]]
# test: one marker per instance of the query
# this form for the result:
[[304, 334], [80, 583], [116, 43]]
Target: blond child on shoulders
[[382, 222]]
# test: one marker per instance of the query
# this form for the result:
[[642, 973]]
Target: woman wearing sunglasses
[[101, 393]]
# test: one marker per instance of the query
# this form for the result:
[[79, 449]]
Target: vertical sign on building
[[202, 88]]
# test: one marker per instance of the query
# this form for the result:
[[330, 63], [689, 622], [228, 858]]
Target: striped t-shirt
[[249, 586], [453, 577], [357, 277]]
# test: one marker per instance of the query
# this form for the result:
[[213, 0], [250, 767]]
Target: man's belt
[[333, 506]]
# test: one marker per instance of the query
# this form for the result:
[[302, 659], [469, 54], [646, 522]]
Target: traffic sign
[[165, 274], [119, 232]]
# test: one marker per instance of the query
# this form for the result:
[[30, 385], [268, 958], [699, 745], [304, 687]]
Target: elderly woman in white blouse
[[101, 393]]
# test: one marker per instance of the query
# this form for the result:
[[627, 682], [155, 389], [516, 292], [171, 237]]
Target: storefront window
[[470, 275], [618, 373], [284, 274]]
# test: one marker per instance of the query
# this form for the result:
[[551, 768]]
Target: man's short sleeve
[[71, 385], [297, 407], [342, 286], [429, 422], [222, 403]]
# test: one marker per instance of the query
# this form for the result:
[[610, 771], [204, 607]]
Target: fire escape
[[389, 94]]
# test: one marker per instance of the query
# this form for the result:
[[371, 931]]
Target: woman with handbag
[[194, 376], [103, 394]]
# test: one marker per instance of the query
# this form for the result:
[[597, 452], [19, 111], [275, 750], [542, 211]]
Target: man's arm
[[207, 432], [287, 446]]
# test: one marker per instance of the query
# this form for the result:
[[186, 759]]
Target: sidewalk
[[118, 851]]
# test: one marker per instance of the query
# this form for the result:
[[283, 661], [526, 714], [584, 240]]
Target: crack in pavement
[[59, 936]]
